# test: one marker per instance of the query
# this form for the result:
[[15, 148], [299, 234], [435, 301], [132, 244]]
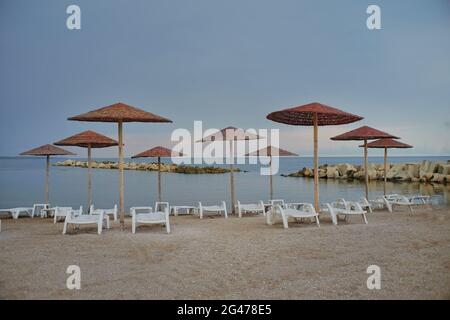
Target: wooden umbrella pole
[[159, 179], [47, 174], [121, 178], [271, 181], [89, 177], [385, 169], [233, 200], [366, 166], [316, 164]]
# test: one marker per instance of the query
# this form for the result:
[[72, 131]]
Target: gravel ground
[[235, 258]]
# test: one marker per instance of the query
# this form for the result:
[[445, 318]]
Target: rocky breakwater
[[145, 167], [425, 171]]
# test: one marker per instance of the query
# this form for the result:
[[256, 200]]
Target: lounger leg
[[334, 218], [364, 217], [99, 227], [226, 213], [133, 225], [269, 218], [285, 221], [167, 226], [317, 221], [65, 227]]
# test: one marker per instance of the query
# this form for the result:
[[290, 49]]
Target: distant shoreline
[[424, 171], [143, 166]]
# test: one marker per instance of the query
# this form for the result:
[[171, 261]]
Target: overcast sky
[[227, 63]]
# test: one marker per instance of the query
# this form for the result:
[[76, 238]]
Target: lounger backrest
[[162, 206], [301, 206], [141, 210], [279, 202], [354, 206], [364, 201], [402, 199], [38, 207]]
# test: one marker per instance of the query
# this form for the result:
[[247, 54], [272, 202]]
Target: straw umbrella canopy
[[364, 133], [120, 113], [231, 134], [47, 151], [314, 114], [157, 152], [270, 152], [88, 139], [386, 144]]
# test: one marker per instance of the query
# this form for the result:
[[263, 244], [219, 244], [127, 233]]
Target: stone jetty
[[425, 171], [145, 167]]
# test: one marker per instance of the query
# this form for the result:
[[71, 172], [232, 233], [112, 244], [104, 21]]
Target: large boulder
[[403, 176], [438, 177], [413, 170], [427, 167], [445, 169], [372, 173], [346, 169], [307, 172], [322, 173], [331, 172], [395, 170]]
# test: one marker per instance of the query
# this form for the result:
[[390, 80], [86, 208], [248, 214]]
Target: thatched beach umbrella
[[314, 114], [231, 134], [270, 152], [47, 151], [364, 133], [387, 144], [88, 139], [157, 152], [120, 113]]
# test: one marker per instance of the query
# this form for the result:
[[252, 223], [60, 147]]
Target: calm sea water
[[22, 184]]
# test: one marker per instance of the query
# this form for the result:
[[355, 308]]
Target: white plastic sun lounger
[[62, 212], [250, 207], [365, 204], [294, 211], [268, 206], [222, 209], [185, 210], [15, 212], [391, 201], [344, 208], [73, 217], [145, 215], [112, 212]]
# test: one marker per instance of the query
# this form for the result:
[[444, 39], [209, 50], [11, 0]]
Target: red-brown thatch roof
[[157, 152], [119, 112], [387, 143], [47, 150], [364, 133], [86, 139], [303, 115], [272, 151], [231, 133]]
